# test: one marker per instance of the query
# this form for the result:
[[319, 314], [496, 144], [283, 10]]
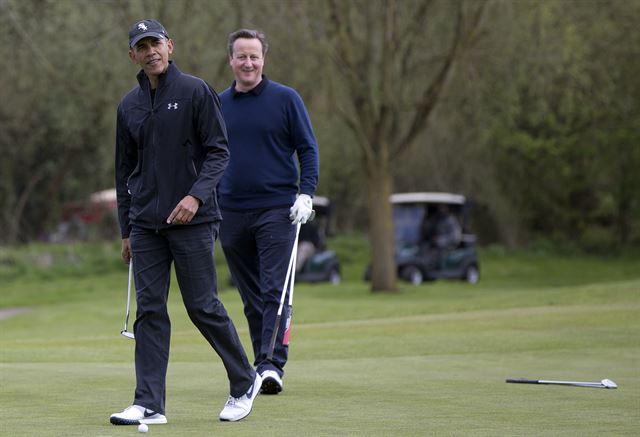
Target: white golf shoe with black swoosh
[[238, 408], [135, 415]]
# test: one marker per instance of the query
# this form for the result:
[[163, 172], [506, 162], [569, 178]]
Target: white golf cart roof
[[321, 201], [104, 196], [428, 197]]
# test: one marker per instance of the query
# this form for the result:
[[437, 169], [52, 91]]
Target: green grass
[[430, 360]]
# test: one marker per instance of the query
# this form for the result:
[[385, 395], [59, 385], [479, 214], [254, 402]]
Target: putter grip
[[522, 381]]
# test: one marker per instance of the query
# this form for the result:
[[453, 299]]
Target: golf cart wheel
[[413, 275], [334, 276], [471, 274]]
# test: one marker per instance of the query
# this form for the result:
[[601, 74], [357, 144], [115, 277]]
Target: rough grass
[[430, 360]]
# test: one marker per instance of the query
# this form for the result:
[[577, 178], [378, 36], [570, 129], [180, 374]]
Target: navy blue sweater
[[267, 127]]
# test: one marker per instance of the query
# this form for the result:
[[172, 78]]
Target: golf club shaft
[[290, 273], [294, 263], [124, 332], [575, 383], [287, 326], [290, 269], [126, 318]]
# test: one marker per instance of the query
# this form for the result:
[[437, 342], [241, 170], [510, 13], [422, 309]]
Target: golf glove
[[301, 209]]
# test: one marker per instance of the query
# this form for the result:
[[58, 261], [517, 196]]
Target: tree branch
[[407, 39], [348, 67], [461, 40]]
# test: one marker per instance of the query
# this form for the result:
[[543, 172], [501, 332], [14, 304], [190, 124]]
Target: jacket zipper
[[155, 153]]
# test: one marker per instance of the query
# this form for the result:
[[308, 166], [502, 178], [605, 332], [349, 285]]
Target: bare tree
[[394, 59]]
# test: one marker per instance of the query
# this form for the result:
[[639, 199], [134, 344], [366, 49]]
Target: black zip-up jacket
[[168, 149]]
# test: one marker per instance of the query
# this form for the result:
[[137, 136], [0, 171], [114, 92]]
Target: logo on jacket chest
[[173, 106]]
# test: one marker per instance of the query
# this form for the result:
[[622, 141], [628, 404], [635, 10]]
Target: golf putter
[[292, 267], [124, 332], [605, 383], [287, 325], [290, 274]]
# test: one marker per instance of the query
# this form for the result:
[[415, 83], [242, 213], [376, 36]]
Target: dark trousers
[[191, 248], [257, 245]]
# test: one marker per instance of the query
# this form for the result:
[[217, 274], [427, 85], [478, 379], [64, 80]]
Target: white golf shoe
[[238, 408], [271, 383], [135, 415]]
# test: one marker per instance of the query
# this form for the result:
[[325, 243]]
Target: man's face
[[152, 55], [247, 63]]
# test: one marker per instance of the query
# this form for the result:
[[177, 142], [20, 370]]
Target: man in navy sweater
[[261, 193]]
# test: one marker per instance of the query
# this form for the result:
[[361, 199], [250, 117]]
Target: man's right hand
[[126, 250]]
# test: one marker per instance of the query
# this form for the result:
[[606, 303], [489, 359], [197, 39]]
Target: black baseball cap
[[146, 28]]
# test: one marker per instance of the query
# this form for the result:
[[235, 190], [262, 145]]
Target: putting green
[[431, 360]]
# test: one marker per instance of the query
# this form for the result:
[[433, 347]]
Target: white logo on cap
[[142, 26]]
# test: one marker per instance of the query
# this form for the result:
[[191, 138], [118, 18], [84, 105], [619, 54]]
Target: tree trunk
[[381, 231], [16, 220]]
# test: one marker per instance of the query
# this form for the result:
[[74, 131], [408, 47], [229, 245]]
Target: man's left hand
[[301, 210], [184, 211]]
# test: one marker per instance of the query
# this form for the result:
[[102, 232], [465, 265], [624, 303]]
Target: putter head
[[128, 334], [607, 383]]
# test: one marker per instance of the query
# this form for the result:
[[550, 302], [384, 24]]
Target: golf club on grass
[[605, 383], [126, 318], [288, 282]]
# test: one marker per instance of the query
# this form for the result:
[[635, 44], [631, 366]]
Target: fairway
[[429, 361]]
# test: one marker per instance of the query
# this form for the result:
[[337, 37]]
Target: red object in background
[[92, 211]]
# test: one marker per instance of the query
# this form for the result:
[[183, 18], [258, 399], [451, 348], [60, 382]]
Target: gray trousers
[[191, 248]]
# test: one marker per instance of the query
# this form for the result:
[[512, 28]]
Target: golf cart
[[322, 264], [417, 259]]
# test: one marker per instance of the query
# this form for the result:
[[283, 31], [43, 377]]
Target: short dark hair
[[249, 34]]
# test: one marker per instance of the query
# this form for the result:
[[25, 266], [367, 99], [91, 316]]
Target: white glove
[[301, 209]]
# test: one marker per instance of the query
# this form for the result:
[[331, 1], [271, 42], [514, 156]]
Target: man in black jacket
[[171, 150]]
